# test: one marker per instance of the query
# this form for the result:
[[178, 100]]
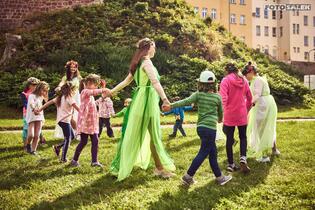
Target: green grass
[[11, 118], [29, 182]]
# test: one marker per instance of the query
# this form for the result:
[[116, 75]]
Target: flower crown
[[71, 62]]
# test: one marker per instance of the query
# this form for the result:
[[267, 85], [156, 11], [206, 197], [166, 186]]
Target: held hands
[[166, 106], [36, 111]]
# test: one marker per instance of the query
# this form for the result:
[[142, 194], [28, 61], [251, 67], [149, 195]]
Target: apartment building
[[234, 15], [288, 36]]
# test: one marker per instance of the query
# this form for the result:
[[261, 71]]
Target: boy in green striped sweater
[[210, 112]]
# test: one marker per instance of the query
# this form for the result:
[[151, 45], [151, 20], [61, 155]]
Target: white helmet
[[206, 77]]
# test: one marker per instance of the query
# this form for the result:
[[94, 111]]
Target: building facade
[[288, 36]]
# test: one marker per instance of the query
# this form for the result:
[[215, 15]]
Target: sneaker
[[263, 160], [96, 164], [162, 173], [74, 163], [222, 180], [56, 150], [34, 153], [244, 167], [188, 180], [275, 152], [172, 135], [232, 167], [63, 160]]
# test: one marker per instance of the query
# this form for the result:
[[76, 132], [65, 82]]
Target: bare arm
[[76, 107], [52, 101], [122, 85]]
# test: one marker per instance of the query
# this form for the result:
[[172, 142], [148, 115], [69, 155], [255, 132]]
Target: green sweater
[[122, 112], [209, 108]]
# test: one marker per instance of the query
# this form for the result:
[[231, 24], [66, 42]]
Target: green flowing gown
[[261, 130], [141, 125]]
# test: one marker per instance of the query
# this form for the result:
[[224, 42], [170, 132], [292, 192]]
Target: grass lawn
[[29, 182], [10, 119]]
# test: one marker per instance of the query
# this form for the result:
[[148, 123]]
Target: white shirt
[[34, 102]]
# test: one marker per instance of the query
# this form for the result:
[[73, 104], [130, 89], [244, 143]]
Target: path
[[192, 125]]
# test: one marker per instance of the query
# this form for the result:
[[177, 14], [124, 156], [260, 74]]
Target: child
[[29, 88], [105, 111], [209, 113], [88, 118], [65, 104], [237, 101], [124, 110], [33, 120], [179, 118]]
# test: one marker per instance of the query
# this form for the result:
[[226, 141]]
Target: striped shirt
[[209, 108]]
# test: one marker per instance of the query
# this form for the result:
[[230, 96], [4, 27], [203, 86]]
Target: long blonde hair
[[42, 85]]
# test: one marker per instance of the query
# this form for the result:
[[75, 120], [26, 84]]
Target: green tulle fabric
[[141, 125], [261, 130]]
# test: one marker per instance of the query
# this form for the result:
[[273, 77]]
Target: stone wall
[[13, 12]]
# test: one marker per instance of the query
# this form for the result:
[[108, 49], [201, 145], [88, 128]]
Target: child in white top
[[65, 104], [105, 112], [34, 121]]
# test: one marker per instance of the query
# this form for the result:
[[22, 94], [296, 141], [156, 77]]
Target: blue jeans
[[68, 136], [208, 149], [179, 126]]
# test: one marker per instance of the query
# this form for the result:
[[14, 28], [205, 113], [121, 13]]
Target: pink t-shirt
[[88, 115], [65, 110], [105, 107]]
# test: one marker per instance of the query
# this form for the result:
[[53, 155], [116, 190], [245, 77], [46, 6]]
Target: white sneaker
[[263, 160], [276, 152]]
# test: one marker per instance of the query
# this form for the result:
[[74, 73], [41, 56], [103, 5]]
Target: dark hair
[[206, 87], [81, 85], [176, 98], [231, 68], [249, 68], [65, 91], [41, 85], [143, 47], [93, 78], [68, 70]]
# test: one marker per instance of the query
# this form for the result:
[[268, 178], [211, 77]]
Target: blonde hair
[[93, 78], [42, 85]]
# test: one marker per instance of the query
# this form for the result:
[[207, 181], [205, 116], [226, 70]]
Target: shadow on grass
[[92, 193], [211, 194]]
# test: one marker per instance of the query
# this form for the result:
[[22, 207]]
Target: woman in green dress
[[142, 134], [261, 129]]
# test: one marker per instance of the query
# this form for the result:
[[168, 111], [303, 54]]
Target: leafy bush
[[101, 38]]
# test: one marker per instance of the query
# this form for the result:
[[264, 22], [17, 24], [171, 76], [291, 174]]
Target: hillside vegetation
[[102, 39]]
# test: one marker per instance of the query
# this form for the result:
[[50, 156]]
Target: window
[[213, 14], [296, 13], [204, 12], [294, 28], [294, 49], [305, 20], [233, 18], [266, 31], [314, 56], [266, 13], [305, 41], [242, 2], [281, 14], [257, 30], [257, 12], [274, 52], [314, 41], [266, 50], [233, 1], [242, 19], [305, 55], [281, 31], [196, 10], [314, 21], [274, 14], [274, 32], [297, 28], [298, 50]]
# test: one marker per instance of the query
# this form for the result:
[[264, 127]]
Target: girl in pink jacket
[[236, 100]]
